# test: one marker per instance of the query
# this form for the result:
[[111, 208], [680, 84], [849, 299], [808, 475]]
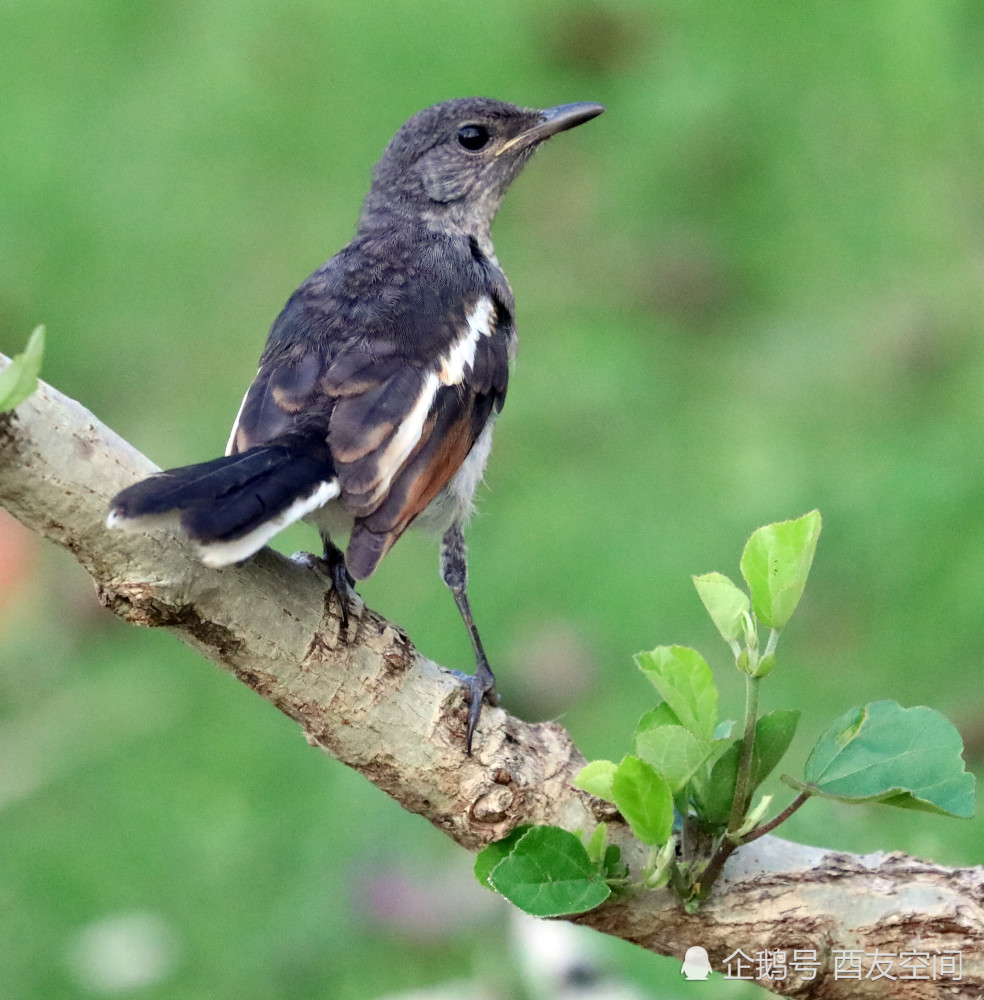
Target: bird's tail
[[232, 506]]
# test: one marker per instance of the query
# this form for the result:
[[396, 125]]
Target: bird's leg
[[454, 572], [331, 568], [341, 579]]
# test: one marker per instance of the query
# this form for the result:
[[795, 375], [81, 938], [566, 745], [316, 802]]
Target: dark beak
[[552, 121]]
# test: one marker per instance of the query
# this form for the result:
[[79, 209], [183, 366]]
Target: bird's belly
[[332, 520], [454, 504]]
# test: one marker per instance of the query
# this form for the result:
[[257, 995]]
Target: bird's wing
[[399, 439], [399, 422], [286, 388]]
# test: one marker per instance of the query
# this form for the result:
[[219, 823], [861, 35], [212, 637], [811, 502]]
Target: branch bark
[[373, 702]]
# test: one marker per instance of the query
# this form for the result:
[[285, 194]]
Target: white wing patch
[[450, 373], [462, 355], [217, 554], [235, 423], [405, 438]]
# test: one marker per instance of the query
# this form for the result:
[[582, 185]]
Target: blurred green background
[[752, 288]]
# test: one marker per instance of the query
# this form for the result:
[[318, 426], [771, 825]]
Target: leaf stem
[[727, 847], [773, 641], [743, 788], [743, 783]]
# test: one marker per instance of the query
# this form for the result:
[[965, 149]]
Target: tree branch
[[373, 702]]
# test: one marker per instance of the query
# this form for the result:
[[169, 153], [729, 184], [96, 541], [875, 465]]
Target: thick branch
[[371, 700]]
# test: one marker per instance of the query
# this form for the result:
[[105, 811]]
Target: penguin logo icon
[[696, 964]]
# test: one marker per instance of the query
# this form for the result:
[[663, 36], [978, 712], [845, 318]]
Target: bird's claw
[[480, 690], [339, 580]]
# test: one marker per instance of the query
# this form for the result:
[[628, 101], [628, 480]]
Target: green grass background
[[752, 288]]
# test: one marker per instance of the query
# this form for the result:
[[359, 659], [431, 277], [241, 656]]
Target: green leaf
[[661, 715], [723, 738], [613, 862], [685, 683], [673, 752], [713, 795], [548, 873], [596, 843], [775, 565], [765, 666], [20, 378], [596, 779], [882, 752], [773, 734], [726, 603], [644, 799], [492, 854], [656, 875]]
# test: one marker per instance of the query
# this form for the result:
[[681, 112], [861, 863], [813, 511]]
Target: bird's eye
[[473, 137]]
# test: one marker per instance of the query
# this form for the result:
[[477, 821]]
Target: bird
[[374, 401]]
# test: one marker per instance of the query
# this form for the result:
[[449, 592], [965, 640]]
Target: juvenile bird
[[376, 393]]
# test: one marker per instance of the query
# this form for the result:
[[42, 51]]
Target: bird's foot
[[480, 690], [334, 572]]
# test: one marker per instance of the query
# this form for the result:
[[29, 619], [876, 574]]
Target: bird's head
[[455, 160]]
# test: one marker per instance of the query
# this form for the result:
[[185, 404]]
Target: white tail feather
[[216, 554]]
